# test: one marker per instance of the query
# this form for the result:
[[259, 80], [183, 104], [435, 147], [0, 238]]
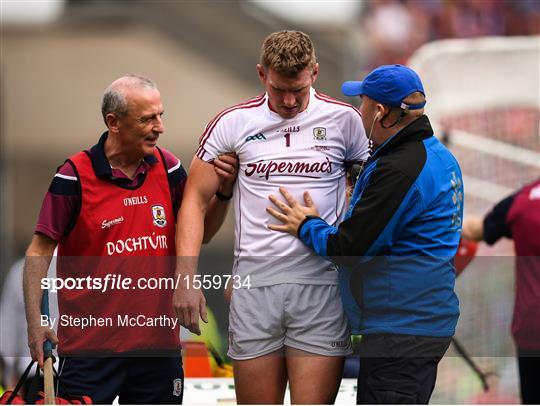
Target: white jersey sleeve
[[223, 133], [216, 140], [357, 148]]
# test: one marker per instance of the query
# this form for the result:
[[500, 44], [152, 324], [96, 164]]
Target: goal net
[[483, 102]]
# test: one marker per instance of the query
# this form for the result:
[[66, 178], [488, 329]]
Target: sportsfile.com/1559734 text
[[119, 282]]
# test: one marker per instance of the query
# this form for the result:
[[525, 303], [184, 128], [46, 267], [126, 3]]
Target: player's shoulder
[[231, 120], [336, 106], [239, 111]]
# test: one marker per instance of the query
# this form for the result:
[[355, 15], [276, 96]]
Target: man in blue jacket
[[396, 246]]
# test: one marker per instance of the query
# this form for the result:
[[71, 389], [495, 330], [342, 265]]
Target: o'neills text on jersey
[[291, 129], [268, 168], [134, 244], [132, 201]]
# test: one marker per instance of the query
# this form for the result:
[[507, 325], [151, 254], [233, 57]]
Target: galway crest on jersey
[[158, 214]]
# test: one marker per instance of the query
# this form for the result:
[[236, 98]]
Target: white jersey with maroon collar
[[308, 152]]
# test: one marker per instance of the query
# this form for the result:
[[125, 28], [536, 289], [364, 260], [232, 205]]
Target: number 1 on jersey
[[287, 140]]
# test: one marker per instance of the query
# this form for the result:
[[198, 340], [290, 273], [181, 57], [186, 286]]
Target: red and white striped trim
[[255, 102], [329, 99], [200, 153]]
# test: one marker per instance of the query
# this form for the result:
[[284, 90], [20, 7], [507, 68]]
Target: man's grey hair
[[114, 99]]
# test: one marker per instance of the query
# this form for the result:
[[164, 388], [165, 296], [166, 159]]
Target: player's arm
[[351, 175], [58, 212], [495, 225], [226, 167], [473, 228], [38, 259], [202, 184], [492, 227], [356, 146]]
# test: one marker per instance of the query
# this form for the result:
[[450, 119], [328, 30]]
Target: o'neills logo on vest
[[132, 201], [265, 169], [134, 244]]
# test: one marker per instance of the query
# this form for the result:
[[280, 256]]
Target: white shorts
[[306, 317]]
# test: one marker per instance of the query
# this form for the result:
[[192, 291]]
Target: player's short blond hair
[[288, 52]]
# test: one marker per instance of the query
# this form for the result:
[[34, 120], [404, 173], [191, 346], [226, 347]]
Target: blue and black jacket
[[396, 245]]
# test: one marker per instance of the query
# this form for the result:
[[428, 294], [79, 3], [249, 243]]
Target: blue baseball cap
[[389, 85]]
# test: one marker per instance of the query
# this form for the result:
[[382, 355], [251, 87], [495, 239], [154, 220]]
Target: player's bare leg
[[261, 380], [313, 379]]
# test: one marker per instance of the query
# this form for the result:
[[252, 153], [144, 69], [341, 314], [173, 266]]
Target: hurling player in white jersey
[[289, 325]]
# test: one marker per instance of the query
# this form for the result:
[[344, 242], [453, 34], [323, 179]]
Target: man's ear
[[315, 72], [261, 72], [112, 122], [381, 112]]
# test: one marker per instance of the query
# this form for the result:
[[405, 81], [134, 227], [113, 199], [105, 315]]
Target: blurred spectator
[[13, 336], [472, 18], [522, 17], [394, 29]]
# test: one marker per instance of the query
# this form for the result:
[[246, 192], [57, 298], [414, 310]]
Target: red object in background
[[18, 400], [196, 360], [34, 396], [465, 253]]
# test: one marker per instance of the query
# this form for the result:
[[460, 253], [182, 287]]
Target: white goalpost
[[484, 95]]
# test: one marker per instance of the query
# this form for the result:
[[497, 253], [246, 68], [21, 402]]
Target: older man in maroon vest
[[111, 210]]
